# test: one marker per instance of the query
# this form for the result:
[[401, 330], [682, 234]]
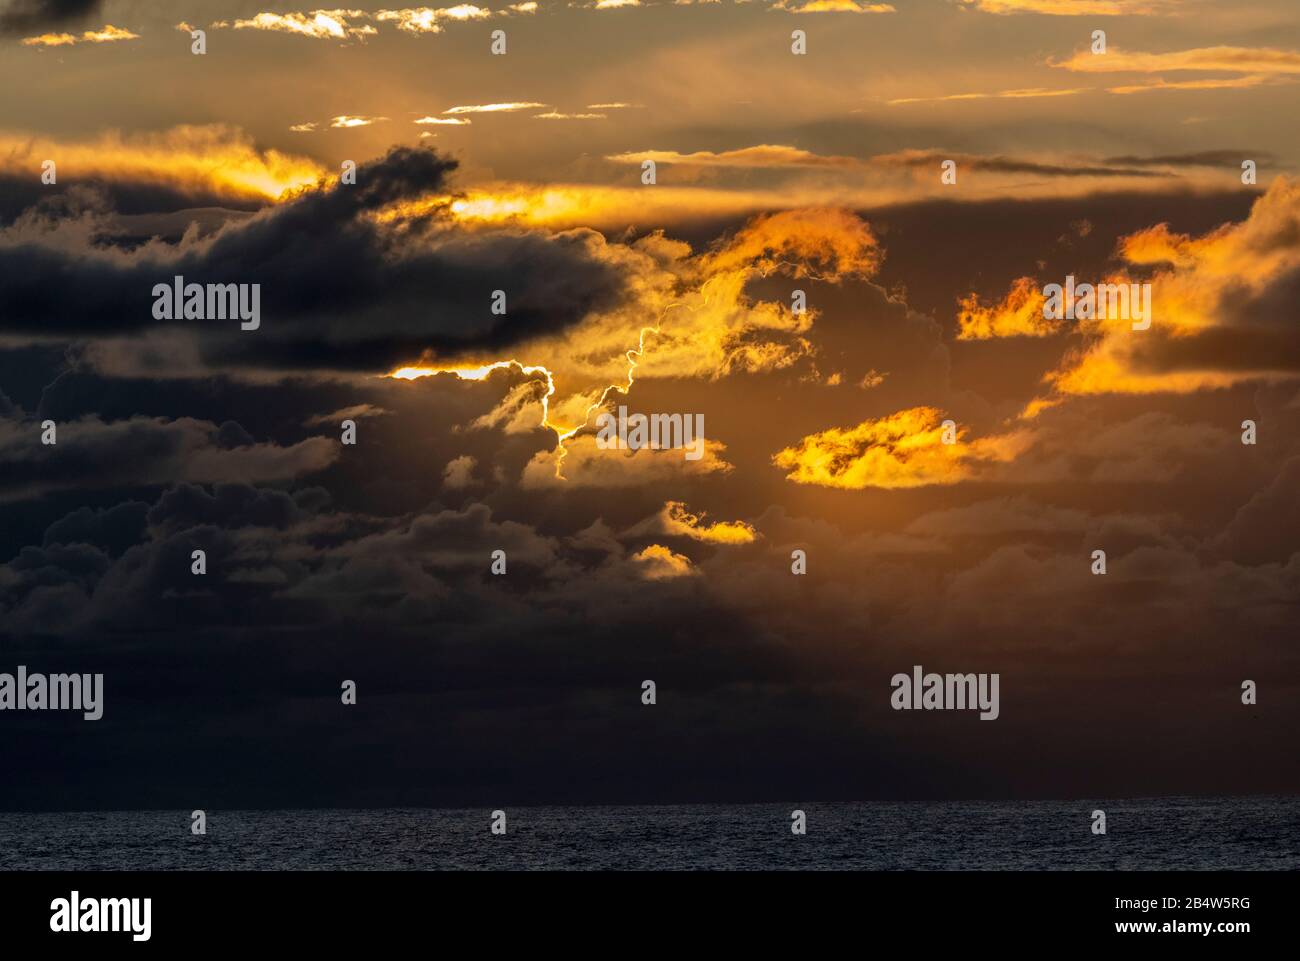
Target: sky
[[842, 264]]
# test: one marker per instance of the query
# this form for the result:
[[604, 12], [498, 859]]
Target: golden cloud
[[1222, 83], [1020, 314], [676, 519], [107, 34], [762, 155], [428, 20], [215, 157], [904, 449], [658, 563], [827, 243], [346, 121], [509, 107], [318, 24], [1021, 94], [832, 6], [581, 463], [1253, 60], [1075, 8], [1197, 289]]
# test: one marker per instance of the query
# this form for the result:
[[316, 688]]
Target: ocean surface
[[1145, 834]]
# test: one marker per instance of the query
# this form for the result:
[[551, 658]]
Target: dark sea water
[[1163, 833]]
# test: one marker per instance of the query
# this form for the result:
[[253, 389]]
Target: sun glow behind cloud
[[216, 157]]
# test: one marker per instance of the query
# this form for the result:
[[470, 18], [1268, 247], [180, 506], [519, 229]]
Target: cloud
[[354, 412], [459, 472], [832, 6], [1076, 8], [447, 121], [1223, 83], [419, 20], [1025, 93], [581, 463], [494, 107], [214, 161], [1020, 516], [20, 16], [1220, 308], [343, 284], [346, 121], [1020, 314], [50, 40], [106, 34], [659, 563], [902, 450], [676, 520], [318, 24], [144, 450], [1250, 60], [1267, 528], [929, 160], [554, 115], [829, 243], [1203, 158], [691, 317], [762, 155], [775, 156]]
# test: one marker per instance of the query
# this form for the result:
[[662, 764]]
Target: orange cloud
[[832, 6], [581, 463], [676, 519], [1224, 83], [318, 24], [1022, 94], [509, 107], [428, 20], [901, 450], [50, 40], [1253, 60], [827, 243], [1020, 314], [107, 34], [1075, 8], [346, 121], [658, 563], [1201, 291], [215, 157], [762, 155]]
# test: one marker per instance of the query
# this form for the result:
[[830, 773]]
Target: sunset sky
[[476, 431]]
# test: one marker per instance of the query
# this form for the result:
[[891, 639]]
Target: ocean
[[1259, 833]]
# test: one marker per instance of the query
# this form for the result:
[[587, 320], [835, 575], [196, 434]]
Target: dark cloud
[[366, 565], [1003, 164], [90, 452], [1203, 158], [113, 529], [1267, 529], [338, 289], [129, 201], [25, 16]]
